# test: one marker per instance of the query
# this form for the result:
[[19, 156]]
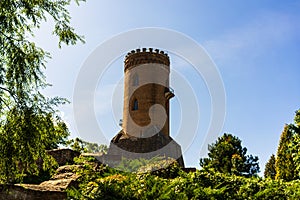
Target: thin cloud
[[254, 38]]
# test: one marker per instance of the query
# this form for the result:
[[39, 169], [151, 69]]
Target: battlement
[[145, 55]]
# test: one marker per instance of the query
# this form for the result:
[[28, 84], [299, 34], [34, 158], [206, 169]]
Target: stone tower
[[145, 124], [146, 84]]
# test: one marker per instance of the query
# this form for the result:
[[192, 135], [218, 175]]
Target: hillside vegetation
[[227, 173], [103, 182]]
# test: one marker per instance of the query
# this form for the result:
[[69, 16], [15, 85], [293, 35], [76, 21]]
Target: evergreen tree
[[29, 122], [295, 151], [297, 118], [270, 169], [295, 144], [284, 162], [228, 156]]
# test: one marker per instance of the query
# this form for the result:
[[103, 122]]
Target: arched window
[[135, 80], [135, 105]]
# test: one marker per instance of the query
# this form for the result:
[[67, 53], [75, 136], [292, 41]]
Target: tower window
[[135, 80], [135, 105]]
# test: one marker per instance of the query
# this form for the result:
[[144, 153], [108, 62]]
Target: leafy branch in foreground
[[29, 123]]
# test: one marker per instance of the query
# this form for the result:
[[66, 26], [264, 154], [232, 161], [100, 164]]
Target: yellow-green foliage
[[227, 155], [284, 162], [29, 123], [106, 183], [288, 152], [270, 168]]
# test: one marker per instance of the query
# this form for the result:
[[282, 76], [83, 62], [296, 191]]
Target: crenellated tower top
[[143, 56]]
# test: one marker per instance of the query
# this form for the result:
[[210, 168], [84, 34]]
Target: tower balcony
[[169, 93], [121, 122]]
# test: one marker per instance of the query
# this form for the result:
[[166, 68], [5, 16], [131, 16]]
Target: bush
[[103, 182]]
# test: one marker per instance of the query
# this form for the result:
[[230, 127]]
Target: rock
[[30, 192], [53, 189], [63, 156]]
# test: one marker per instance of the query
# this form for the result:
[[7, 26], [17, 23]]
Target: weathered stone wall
[[18, 192], [63, 156], [53, 189], [131, 147]]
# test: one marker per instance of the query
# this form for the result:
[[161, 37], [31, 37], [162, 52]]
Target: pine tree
[[270, 169]]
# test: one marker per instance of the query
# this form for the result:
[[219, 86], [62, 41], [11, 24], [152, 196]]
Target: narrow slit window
[[135, 80], [135, 105]]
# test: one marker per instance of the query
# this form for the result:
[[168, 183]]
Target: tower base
[[123, 145]]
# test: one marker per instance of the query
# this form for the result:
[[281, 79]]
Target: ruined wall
[[18, 192], [63, 156]]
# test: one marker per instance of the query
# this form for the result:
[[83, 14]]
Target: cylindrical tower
[[146, 93], [145, 124]]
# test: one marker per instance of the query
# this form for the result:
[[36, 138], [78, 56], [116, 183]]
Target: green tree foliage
[[284, 162], [159, 165], [270, 168], [82, 146], [295, 148], [96, 148], [297, 118], [288, 152], [102, 182], [295, 144], [133, 165], [29, 124], [76, 145], [228, 156]]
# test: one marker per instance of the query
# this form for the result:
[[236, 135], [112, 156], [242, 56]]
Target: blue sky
[[254, 44]]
